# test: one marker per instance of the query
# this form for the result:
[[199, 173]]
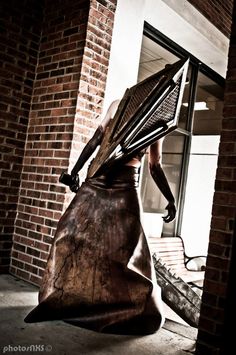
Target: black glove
[[171, 212], [159, 177], [70, 180], [73, 180]]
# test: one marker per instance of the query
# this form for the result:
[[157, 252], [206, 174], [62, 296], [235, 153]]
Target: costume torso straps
[[140, 154]]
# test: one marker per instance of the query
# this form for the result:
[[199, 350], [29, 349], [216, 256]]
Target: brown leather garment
[[100, 273]]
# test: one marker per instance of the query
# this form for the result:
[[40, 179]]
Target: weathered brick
[[219, 13], [53, 87], [222, 224]]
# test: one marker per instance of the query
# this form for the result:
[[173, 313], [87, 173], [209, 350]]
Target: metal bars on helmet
[[148, 111]]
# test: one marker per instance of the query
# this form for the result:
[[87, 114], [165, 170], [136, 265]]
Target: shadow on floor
[[18, 297]]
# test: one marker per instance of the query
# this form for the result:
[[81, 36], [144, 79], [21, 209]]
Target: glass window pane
[[199, 194], [153, 59], [208, 107], [152, 199], [202, 166]]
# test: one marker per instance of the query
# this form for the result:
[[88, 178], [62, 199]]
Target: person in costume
[[100, 273]]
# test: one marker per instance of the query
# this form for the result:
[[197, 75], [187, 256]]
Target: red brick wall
[[66, 103], [19, 44], [93, 72], [215, 297], [218, 12]]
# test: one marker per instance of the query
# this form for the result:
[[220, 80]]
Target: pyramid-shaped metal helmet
[[148, 111]]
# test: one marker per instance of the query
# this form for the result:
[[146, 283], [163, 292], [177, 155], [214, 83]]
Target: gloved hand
[[74, 185], [70, 180], [171, 212]]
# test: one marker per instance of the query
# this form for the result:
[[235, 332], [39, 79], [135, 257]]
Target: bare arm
[[160, 179]]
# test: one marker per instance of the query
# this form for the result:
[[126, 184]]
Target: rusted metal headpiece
[[148, 111]]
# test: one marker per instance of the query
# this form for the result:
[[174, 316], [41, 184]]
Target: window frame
[[197, 66]]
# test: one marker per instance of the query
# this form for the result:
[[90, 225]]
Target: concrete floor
[[17, 298]]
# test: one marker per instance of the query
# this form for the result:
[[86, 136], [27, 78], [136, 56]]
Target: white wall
[[199, 194], [125, 49]]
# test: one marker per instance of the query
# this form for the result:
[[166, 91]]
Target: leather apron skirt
[[100, 274]]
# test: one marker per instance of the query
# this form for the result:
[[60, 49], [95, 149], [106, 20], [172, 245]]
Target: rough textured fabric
[[99, 273]]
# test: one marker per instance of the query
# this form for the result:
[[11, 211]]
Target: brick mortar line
[[30, 246], [25, 262]]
